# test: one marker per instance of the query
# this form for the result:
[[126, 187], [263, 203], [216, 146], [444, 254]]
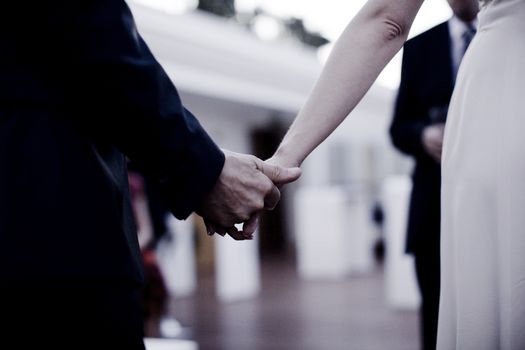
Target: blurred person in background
[[79, 92], [154, 294], [430, 65], [482, 301]]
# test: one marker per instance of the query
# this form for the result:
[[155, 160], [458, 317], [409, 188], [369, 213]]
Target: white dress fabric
[[483, 194]]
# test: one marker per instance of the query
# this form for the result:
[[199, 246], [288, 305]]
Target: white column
[[169, 344], [333, 231], [237, 269], [176, 256], [323, 225], [401, 285], [360, 232]]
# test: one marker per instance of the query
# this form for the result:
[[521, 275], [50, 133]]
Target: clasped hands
[[246, 186]]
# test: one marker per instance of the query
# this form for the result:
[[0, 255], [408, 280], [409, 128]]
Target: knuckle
[[241, 217], [254, 160], [230, 221], [259, 205], [268, 187]]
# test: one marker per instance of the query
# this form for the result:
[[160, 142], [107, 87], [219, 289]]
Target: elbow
[[394, 23], [394, 30], [391, 18]]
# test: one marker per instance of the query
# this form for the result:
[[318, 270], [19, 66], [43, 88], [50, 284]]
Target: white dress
[[483, 194]]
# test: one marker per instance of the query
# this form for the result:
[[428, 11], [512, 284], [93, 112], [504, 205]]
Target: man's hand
[[244, 188], [432, 139], [273, 164]]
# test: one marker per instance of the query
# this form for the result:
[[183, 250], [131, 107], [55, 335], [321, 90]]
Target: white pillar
[[176, 256], [169, 344], [333, 231], [401, 285], [360, 231], [237, 269], [323, 226]]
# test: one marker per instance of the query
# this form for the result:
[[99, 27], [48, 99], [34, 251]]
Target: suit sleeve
[[408, 122], [121, 94]]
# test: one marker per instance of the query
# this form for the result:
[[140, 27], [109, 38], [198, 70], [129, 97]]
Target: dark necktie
[[467, 36]]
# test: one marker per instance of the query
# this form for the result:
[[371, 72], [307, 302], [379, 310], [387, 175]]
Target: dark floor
[[293, 314]]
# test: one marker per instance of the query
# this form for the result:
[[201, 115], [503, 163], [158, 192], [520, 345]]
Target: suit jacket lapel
[[445, 42]]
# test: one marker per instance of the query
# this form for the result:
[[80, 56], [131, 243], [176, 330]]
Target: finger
[[221, 231], [271, 199], [235, 234], [210, 228], [279, 175], [251, 225]]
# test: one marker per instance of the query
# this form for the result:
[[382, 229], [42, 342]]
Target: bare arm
[[369, 42]]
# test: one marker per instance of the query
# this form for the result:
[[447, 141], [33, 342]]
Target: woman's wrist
[[284, 158]]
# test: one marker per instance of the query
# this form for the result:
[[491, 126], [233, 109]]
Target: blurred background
[[327, 269]]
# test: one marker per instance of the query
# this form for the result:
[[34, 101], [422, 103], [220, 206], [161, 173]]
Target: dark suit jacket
[[80, 91], [424, 94]]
